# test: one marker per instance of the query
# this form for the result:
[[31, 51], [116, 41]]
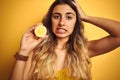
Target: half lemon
[[40, 31]]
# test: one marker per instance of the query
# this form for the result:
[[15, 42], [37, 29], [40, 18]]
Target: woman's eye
[[69, 17], [56, 17]]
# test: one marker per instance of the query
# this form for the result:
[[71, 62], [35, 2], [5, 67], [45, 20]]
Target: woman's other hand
[[30, 41]]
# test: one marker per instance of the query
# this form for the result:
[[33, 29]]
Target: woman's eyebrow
[[55, 13], [70, 13], [65, 13]]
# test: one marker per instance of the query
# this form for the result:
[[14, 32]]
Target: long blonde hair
[[77, 60]]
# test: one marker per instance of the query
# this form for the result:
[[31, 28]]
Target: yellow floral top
[[63, 75]]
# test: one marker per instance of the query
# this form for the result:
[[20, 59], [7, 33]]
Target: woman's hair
[[77, 61]]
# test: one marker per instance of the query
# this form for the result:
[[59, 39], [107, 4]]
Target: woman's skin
[[100, 46], [63, 21], [105, 44]]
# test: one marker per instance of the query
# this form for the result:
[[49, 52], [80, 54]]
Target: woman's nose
[[62, 22]]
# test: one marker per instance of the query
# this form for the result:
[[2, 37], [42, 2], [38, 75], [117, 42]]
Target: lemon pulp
[[40, 31]]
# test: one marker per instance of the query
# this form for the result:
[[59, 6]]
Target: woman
[[63, 54]]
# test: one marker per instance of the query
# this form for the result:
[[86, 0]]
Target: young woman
[[64, 53]]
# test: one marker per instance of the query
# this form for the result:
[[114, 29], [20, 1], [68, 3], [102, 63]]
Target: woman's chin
[[62, 36]]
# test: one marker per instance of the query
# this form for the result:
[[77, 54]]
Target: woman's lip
[[61, 30]]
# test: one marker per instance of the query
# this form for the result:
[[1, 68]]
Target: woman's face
[[63, 20]]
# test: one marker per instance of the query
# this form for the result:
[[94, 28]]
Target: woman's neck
[[61, 52], [61, 43]]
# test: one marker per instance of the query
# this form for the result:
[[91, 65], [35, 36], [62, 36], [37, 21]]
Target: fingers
[[31, 29], [39, 24], [75, 2], [83, 16], [34, 26]]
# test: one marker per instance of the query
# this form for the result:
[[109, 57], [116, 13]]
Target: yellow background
[[16, 16]]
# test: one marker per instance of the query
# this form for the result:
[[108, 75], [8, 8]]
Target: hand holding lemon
[[40, 31], [30, 40]]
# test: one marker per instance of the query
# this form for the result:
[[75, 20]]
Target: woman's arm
[[18, 69], [106, 44], [28, 43]]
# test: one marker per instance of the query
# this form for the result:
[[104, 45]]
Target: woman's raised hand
[[30, 41], [81, 12]]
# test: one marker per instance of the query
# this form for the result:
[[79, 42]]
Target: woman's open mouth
[[61, 30]]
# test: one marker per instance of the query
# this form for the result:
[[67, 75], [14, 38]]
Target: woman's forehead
[[63, 8]]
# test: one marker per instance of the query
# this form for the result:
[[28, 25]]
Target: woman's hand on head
[[29, 40], [81, 12]]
